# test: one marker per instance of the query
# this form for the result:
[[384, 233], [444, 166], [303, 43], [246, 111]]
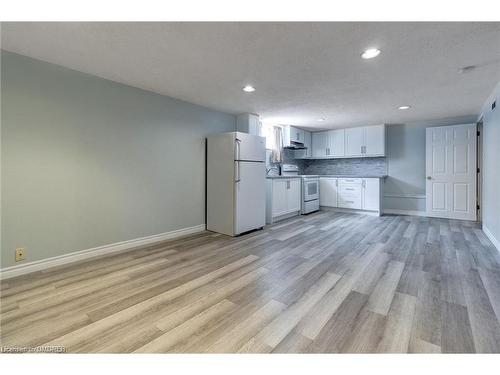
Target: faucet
[[270, 169]]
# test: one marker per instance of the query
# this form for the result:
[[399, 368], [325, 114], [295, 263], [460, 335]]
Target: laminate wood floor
[[323, 283]]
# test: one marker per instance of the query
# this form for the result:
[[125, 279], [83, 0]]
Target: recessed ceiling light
[[321, 119], [370, 53], [404, 107], [248, 88]]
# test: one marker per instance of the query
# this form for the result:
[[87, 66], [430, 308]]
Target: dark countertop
[[330, 175], [352, 176], [287, 177]]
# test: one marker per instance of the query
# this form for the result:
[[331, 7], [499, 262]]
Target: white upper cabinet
[[336, 143], [296, 135], [328, 143], [249, 123], [374, 140], [340, 143], [319, 144], [354, 141], [293, 135], [365, 141], [307, 144]]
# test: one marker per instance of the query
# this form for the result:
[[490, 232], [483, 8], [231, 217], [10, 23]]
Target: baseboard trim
[[491, 237], [403, 196], [404, 212], [39, 265], [350, 211]]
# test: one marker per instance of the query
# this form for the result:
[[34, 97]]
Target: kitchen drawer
[[353, 202], [350, 190], [350, 181]]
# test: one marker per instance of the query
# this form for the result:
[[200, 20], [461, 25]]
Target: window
[[268, 133]]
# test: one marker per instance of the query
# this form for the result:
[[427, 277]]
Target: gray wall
[[405, 187], [491, 165], [88, 162]]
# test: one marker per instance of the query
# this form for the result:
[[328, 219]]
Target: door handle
[[237, 148], [429, 177], [237, 171], [288, 184]]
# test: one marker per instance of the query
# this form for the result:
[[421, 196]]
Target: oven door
[[311, 189]]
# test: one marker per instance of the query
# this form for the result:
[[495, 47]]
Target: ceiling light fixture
[[370, 53], [248, 88], [404, 107], [321, 119]]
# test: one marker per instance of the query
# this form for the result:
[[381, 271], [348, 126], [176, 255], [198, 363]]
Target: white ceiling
[[302, 71]]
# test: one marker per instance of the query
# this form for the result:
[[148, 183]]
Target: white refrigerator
[[236, 183]]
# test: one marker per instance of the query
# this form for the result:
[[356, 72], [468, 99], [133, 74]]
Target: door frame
[[479, 172]]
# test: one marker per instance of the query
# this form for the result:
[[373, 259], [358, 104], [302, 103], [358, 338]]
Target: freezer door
[[249, 147], [250, 196]]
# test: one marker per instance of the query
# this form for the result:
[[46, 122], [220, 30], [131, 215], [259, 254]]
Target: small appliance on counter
[[310, 188]]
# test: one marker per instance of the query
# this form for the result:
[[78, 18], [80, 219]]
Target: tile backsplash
[[348, 166], [354, 166]]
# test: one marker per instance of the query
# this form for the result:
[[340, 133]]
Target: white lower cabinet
[[279, 197], [371, 194], [283, 198], [293, 195], [328, 191], [351, 193]]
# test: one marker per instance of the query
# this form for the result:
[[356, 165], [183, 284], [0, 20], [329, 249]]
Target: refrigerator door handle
[[237, 146], [237, 171]]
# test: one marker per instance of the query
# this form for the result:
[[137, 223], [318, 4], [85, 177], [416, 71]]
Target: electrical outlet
[[20, 254]]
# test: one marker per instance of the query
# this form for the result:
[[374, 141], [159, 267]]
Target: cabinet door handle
[[349, 189], [349, 201], [336, 182], [288, 184], [364, 183]]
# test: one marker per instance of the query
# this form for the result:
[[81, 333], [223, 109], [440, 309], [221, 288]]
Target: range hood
[[293, 138], [295, 145]]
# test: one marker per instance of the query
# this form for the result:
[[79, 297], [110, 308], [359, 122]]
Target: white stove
[[310, 188]]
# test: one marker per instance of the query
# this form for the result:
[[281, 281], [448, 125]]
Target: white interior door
[[250, 196], [451, 171]]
